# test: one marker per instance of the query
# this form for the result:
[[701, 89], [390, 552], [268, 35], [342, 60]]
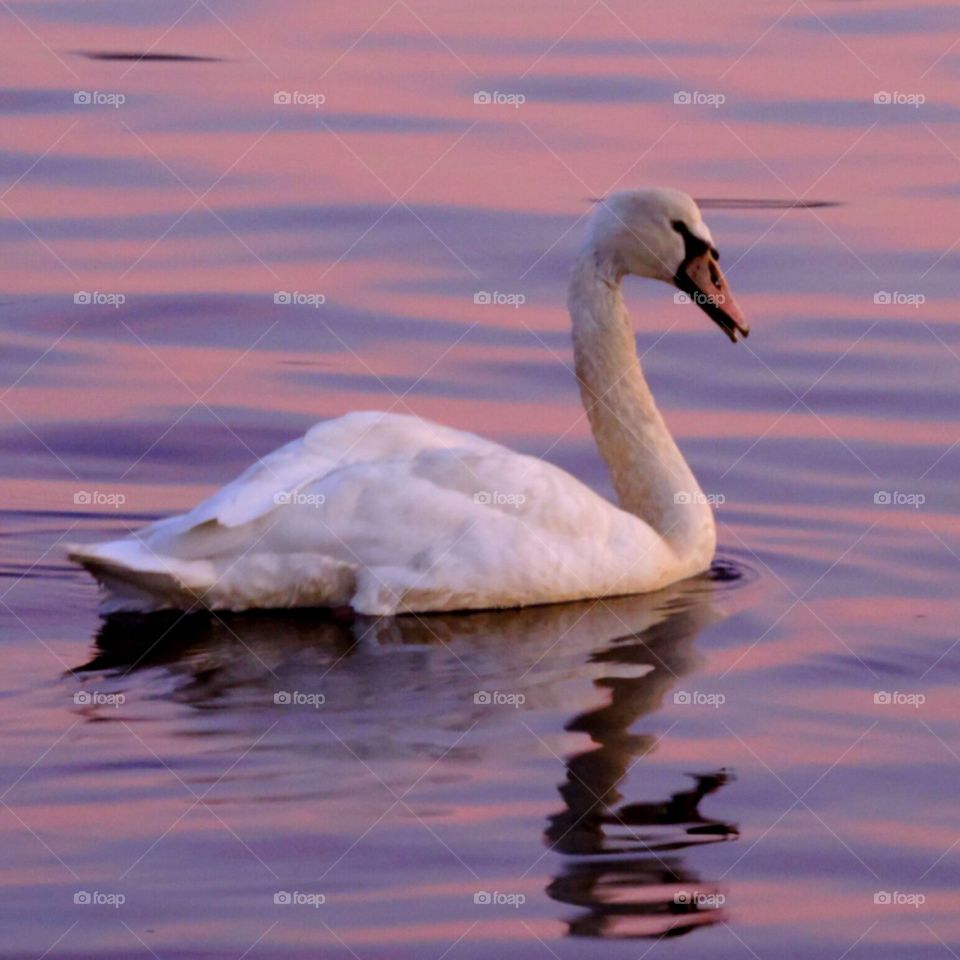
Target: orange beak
[[699, 277]]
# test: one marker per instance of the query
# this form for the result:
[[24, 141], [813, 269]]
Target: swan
[[387, 513]]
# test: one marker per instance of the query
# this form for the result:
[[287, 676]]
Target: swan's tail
[[137, 580]]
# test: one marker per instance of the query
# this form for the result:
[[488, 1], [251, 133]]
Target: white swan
[[391, 514]]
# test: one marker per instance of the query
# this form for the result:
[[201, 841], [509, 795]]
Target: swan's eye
[[693, 245]]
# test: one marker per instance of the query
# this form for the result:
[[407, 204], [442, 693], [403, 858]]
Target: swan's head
[[660, 233]]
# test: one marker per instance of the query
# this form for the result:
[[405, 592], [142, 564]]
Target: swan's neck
[[649, 473]]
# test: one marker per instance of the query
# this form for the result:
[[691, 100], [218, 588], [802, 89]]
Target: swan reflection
[[624, 863], [397, 687]]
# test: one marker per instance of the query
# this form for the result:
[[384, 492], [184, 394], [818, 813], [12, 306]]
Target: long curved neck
[[648, 471]]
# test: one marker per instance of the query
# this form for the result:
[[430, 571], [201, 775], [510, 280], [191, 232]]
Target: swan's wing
[[360, 437]]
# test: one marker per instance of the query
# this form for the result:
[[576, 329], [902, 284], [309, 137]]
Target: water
[[711, 769]]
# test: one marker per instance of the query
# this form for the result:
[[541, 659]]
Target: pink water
[[752, 794]]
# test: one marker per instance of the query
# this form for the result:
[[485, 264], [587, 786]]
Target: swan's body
[[390, 514]]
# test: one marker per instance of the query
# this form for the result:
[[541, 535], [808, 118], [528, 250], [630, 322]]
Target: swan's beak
[[700, 279]]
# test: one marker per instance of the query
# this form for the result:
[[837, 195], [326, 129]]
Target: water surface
[[195, 270]]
